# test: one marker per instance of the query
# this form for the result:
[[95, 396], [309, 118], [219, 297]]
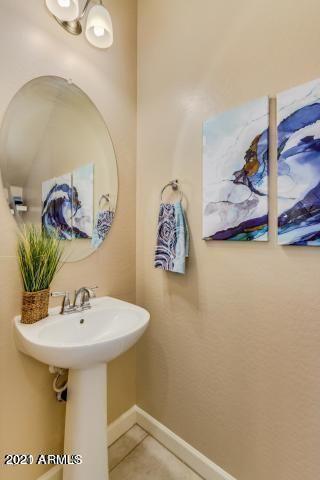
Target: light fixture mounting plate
[[73, 27]]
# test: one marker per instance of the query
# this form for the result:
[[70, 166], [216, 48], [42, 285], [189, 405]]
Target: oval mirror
[[58, 164]]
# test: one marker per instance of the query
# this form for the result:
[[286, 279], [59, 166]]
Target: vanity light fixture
[[68, 13]]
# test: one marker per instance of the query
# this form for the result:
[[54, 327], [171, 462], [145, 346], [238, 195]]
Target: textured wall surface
[[231, 361], [32, 44]]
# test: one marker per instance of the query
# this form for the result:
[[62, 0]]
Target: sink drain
[[82, 321]]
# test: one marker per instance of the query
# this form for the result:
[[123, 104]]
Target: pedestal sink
[[84, 342]]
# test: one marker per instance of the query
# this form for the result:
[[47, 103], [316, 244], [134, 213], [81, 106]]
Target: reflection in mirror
[[58, 164]]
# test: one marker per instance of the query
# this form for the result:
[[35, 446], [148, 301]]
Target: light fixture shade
[[64, 10], [99, 30]]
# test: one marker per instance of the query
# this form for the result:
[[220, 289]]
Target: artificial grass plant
[[39, 256]]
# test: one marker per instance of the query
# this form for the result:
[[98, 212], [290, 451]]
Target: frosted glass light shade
[[99, 30], [66, 11]]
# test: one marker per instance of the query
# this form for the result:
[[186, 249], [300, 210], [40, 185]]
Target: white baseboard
[[189, 455], [120, 426]]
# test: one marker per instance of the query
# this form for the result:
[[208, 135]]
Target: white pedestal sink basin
[[84, 342]]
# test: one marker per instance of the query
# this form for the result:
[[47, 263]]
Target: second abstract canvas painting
[[299, 165], [235, 173]]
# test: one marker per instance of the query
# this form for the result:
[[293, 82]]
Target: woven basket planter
[[35, 306]]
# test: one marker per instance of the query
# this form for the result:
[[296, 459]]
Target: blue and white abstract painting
[[57, 201], [67, 204], [235, 173], [298, 112]]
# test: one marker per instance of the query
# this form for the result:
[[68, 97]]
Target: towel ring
[[174, 184], [105, 197]]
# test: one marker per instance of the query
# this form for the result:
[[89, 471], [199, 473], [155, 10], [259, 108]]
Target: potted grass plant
[[39, 256]]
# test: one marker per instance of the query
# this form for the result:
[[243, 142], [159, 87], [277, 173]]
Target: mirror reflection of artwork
[[299, 165], [82, 218], [67, 204], [235, 173], [57, 206]]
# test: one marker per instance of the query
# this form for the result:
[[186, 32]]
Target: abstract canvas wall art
[[67, 204], [57, 195], [298, 111], [82, 219], [235, 173]]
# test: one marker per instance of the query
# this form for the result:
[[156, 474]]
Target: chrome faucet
[[84, 294]]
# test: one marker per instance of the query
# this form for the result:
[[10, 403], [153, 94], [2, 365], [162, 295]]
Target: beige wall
[[31, 44], [231, 361]]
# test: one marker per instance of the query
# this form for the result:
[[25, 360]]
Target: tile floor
[[138, 456]]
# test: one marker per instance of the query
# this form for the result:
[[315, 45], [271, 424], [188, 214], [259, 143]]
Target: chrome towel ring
[[105, 198], [174, 184]]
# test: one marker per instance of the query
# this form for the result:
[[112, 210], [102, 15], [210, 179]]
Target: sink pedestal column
[[86, 424]]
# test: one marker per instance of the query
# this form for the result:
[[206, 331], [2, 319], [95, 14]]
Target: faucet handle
[[65, 302], [59, 294], [92, 291]]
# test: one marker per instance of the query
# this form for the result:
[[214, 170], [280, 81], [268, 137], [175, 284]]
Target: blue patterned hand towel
[[102, 227], [172, 238]]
